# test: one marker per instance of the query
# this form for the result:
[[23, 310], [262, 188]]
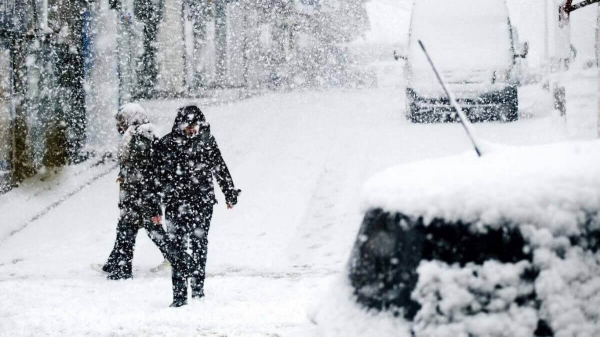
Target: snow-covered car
[[502, 245], [473, 44]]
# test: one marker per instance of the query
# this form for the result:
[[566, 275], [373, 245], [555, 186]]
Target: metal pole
[[461, 115]]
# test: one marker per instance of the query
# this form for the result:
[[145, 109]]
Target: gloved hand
[[231, 197]]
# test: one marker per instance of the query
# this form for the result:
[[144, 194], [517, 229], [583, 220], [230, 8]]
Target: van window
[[461, 34]]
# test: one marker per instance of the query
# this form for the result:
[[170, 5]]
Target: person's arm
[[221, 173], [165, 166], [152, 181]]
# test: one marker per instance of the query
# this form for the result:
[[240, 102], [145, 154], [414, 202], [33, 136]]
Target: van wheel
[[415, 116], [510, 109], [410, 112]]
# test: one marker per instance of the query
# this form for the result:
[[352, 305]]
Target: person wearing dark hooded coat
[[189, 158], [139, 201]]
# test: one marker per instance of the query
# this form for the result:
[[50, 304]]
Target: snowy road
[[300, 160]]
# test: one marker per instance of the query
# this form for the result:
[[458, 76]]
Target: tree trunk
[[150, 13], [202, 13], [56, 151], [70, 72], [22, 162], [221, 41]]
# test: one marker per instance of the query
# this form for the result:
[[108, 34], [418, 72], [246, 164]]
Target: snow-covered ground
[[300, 159]]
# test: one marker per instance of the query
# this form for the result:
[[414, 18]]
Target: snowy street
[[350, 200], [300, 160]]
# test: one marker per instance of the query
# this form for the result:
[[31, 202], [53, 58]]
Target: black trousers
[[119, 260], [188, 223]]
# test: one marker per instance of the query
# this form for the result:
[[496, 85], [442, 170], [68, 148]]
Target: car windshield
[[461, 34]]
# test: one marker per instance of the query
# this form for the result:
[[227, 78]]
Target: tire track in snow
[[57, 203], [328, 226], [76, 174], [240, 272]]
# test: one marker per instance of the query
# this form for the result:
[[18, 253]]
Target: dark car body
[[390, 247]]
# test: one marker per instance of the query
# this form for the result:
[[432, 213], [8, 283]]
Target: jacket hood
[[132, 114], [136, 122], [188, 115]]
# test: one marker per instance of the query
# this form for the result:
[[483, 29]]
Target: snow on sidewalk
[[38, 195]]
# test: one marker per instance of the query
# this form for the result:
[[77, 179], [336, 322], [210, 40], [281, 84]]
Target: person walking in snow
[[139, 202], [189, 158]]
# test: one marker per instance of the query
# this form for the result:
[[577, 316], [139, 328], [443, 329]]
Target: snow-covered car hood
[[551, 186]]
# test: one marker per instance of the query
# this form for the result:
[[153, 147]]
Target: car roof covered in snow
[[553, 186]]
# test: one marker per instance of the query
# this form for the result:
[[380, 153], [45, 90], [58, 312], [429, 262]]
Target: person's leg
[[115, 255], [179, 268], [199, 245], [157, 234], [126, 236], [113, 258]]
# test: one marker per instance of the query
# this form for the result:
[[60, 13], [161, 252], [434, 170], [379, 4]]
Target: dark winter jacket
[[139, 196], [188, 164]]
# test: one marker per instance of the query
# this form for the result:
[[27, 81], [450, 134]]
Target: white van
[[473, 45]]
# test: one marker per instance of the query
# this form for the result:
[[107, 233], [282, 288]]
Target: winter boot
[[179, 294], [197, 294], [119, 276], [108, 268], [178, 303], [179, 291], [197, 285], [121, 272]]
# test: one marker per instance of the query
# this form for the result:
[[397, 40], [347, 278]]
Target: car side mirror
[[398, 56], [524, 50]]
